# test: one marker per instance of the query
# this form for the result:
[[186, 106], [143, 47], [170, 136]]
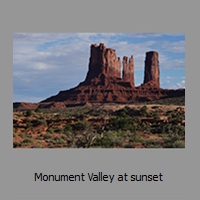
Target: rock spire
[[152, 71]]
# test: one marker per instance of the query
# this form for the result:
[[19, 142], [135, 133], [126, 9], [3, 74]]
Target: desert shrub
[[150, 143], [58, 141], [37, 110], [166, 128], [27, 140], [176, 117], [170, 129], [168, 143], [135, 138], [123, 112], [79, 115], [154, 146], [115, 138], [29, 124], [47, 136], [148, 114], [58, 116], [171, 143], [28, 113], [144, 127], [179, 130], [40, 137], [143, 111], [109, 140], [179, 144], [59, 130], [156, 116], [67, 133], [81, 125], [103, 143], [50, 130], [119, 123], [175, 130], [156, 129], [126, 112], [37, 146], [165, 137], [41, 122], [16, 144], [22, 134], [129, 145], [63, 137], [68, 127]]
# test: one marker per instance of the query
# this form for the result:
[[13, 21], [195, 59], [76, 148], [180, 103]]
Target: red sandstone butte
[[152, 71], [104, 82], [128, 70]]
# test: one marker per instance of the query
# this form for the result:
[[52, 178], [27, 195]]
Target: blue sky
[[45, 63]]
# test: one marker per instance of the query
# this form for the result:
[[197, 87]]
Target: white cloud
[[41, 66], [173, 83], [147, 35], [177, 64], [175, 47], [181, 84]]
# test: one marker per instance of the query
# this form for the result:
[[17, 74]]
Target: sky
[[46, 63]]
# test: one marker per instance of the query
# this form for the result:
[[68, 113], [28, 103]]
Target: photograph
[[99, 90]]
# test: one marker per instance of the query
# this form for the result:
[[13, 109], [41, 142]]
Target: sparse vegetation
[[28, 113], [114, 126]]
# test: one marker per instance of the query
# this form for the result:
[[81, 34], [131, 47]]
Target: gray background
[[180, 167]]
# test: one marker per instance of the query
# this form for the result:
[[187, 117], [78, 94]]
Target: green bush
[[79, 115], [179, 130], [58, 141], [156, 116], [152, 143], [47, 136], [103, 143], [22, 134], [28, 113], [109, 140], [124, 124], [81, 125], [67, 133], [27, 140], [59, 130], [176, 117], [143, 111], [41, 122], [68, 127], [37, 110], [179, 144], [50, 130], [29, 124], [16, 144]]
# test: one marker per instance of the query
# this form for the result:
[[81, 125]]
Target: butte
[[104, 82]]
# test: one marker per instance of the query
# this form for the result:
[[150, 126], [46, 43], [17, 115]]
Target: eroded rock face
[[128, 70], [152, 71], [104, 83], [103, 61]]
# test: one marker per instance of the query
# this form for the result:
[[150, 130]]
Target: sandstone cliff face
[[103, 82], [152, 71], [103, 64], [128, 70]]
